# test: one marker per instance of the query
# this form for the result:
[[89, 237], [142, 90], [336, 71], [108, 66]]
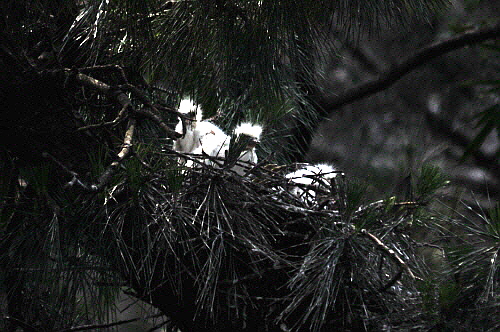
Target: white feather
[[187, 105], [249, 129], [211, 139], [187, 143], [249, 155], [308, 175]]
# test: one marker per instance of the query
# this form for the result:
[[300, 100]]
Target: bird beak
[[191, 115], [252, 143]]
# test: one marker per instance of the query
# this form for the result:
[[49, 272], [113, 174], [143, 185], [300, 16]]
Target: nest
[[217, 251]]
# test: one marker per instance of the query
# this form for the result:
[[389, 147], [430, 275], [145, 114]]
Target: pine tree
[[93, 200]]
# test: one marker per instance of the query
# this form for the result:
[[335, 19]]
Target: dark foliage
[[93, 201]]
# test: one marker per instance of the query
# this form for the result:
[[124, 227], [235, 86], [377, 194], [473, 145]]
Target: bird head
[[249, 131], [190, 109]]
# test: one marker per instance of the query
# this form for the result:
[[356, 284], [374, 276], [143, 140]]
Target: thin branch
[[20, 323], [150, 115], [126, 104], [105, 326], [191, 156], [183, 117], [389, 252], [420, 58], [118, 119], [76, 177], [106, 68], [122, 98], [159, 121], [170, 110], [93, 83], [124, 153]]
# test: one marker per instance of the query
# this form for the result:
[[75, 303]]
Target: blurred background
[[429, 116]]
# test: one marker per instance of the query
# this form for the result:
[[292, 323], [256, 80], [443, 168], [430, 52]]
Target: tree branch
[[124, 153], [420, 58], [126, 106], [147, 113], [116, 68], [108, 325], [391, 253], [122, 98], [323, 108], [118, 119]]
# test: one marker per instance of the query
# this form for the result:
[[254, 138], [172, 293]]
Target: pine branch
[[124, 153], [108, 325], [391, 253], [327, 107], [127, 106], [117, 120], [421, 57], [121, 72], [120, 96]]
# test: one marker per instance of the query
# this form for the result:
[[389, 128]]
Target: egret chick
[[189, 142], [250, 133], [311, 175], [211, 140], [199, 135]]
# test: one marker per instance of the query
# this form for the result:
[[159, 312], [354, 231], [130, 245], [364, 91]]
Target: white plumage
[[317, 175], [211, 139], [189, 142], [246, 128], [205, 137], [218, 146], [248, 155], [199, 135]]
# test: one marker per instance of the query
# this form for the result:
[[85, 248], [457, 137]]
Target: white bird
[[316, 176], [252, 133], [219, 146], [189, 141], [212, 140], [199, 135]]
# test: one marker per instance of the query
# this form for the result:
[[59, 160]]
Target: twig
[[190, 156], [391, 253], [260, 164], [183, 117], [159, 121], [75, 175], [104, 326], [126, 105], [124, 153], [112, 168], [106, 67], [169, 110], [18, 322], [150, 115], [117, 120], [420, 58]]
